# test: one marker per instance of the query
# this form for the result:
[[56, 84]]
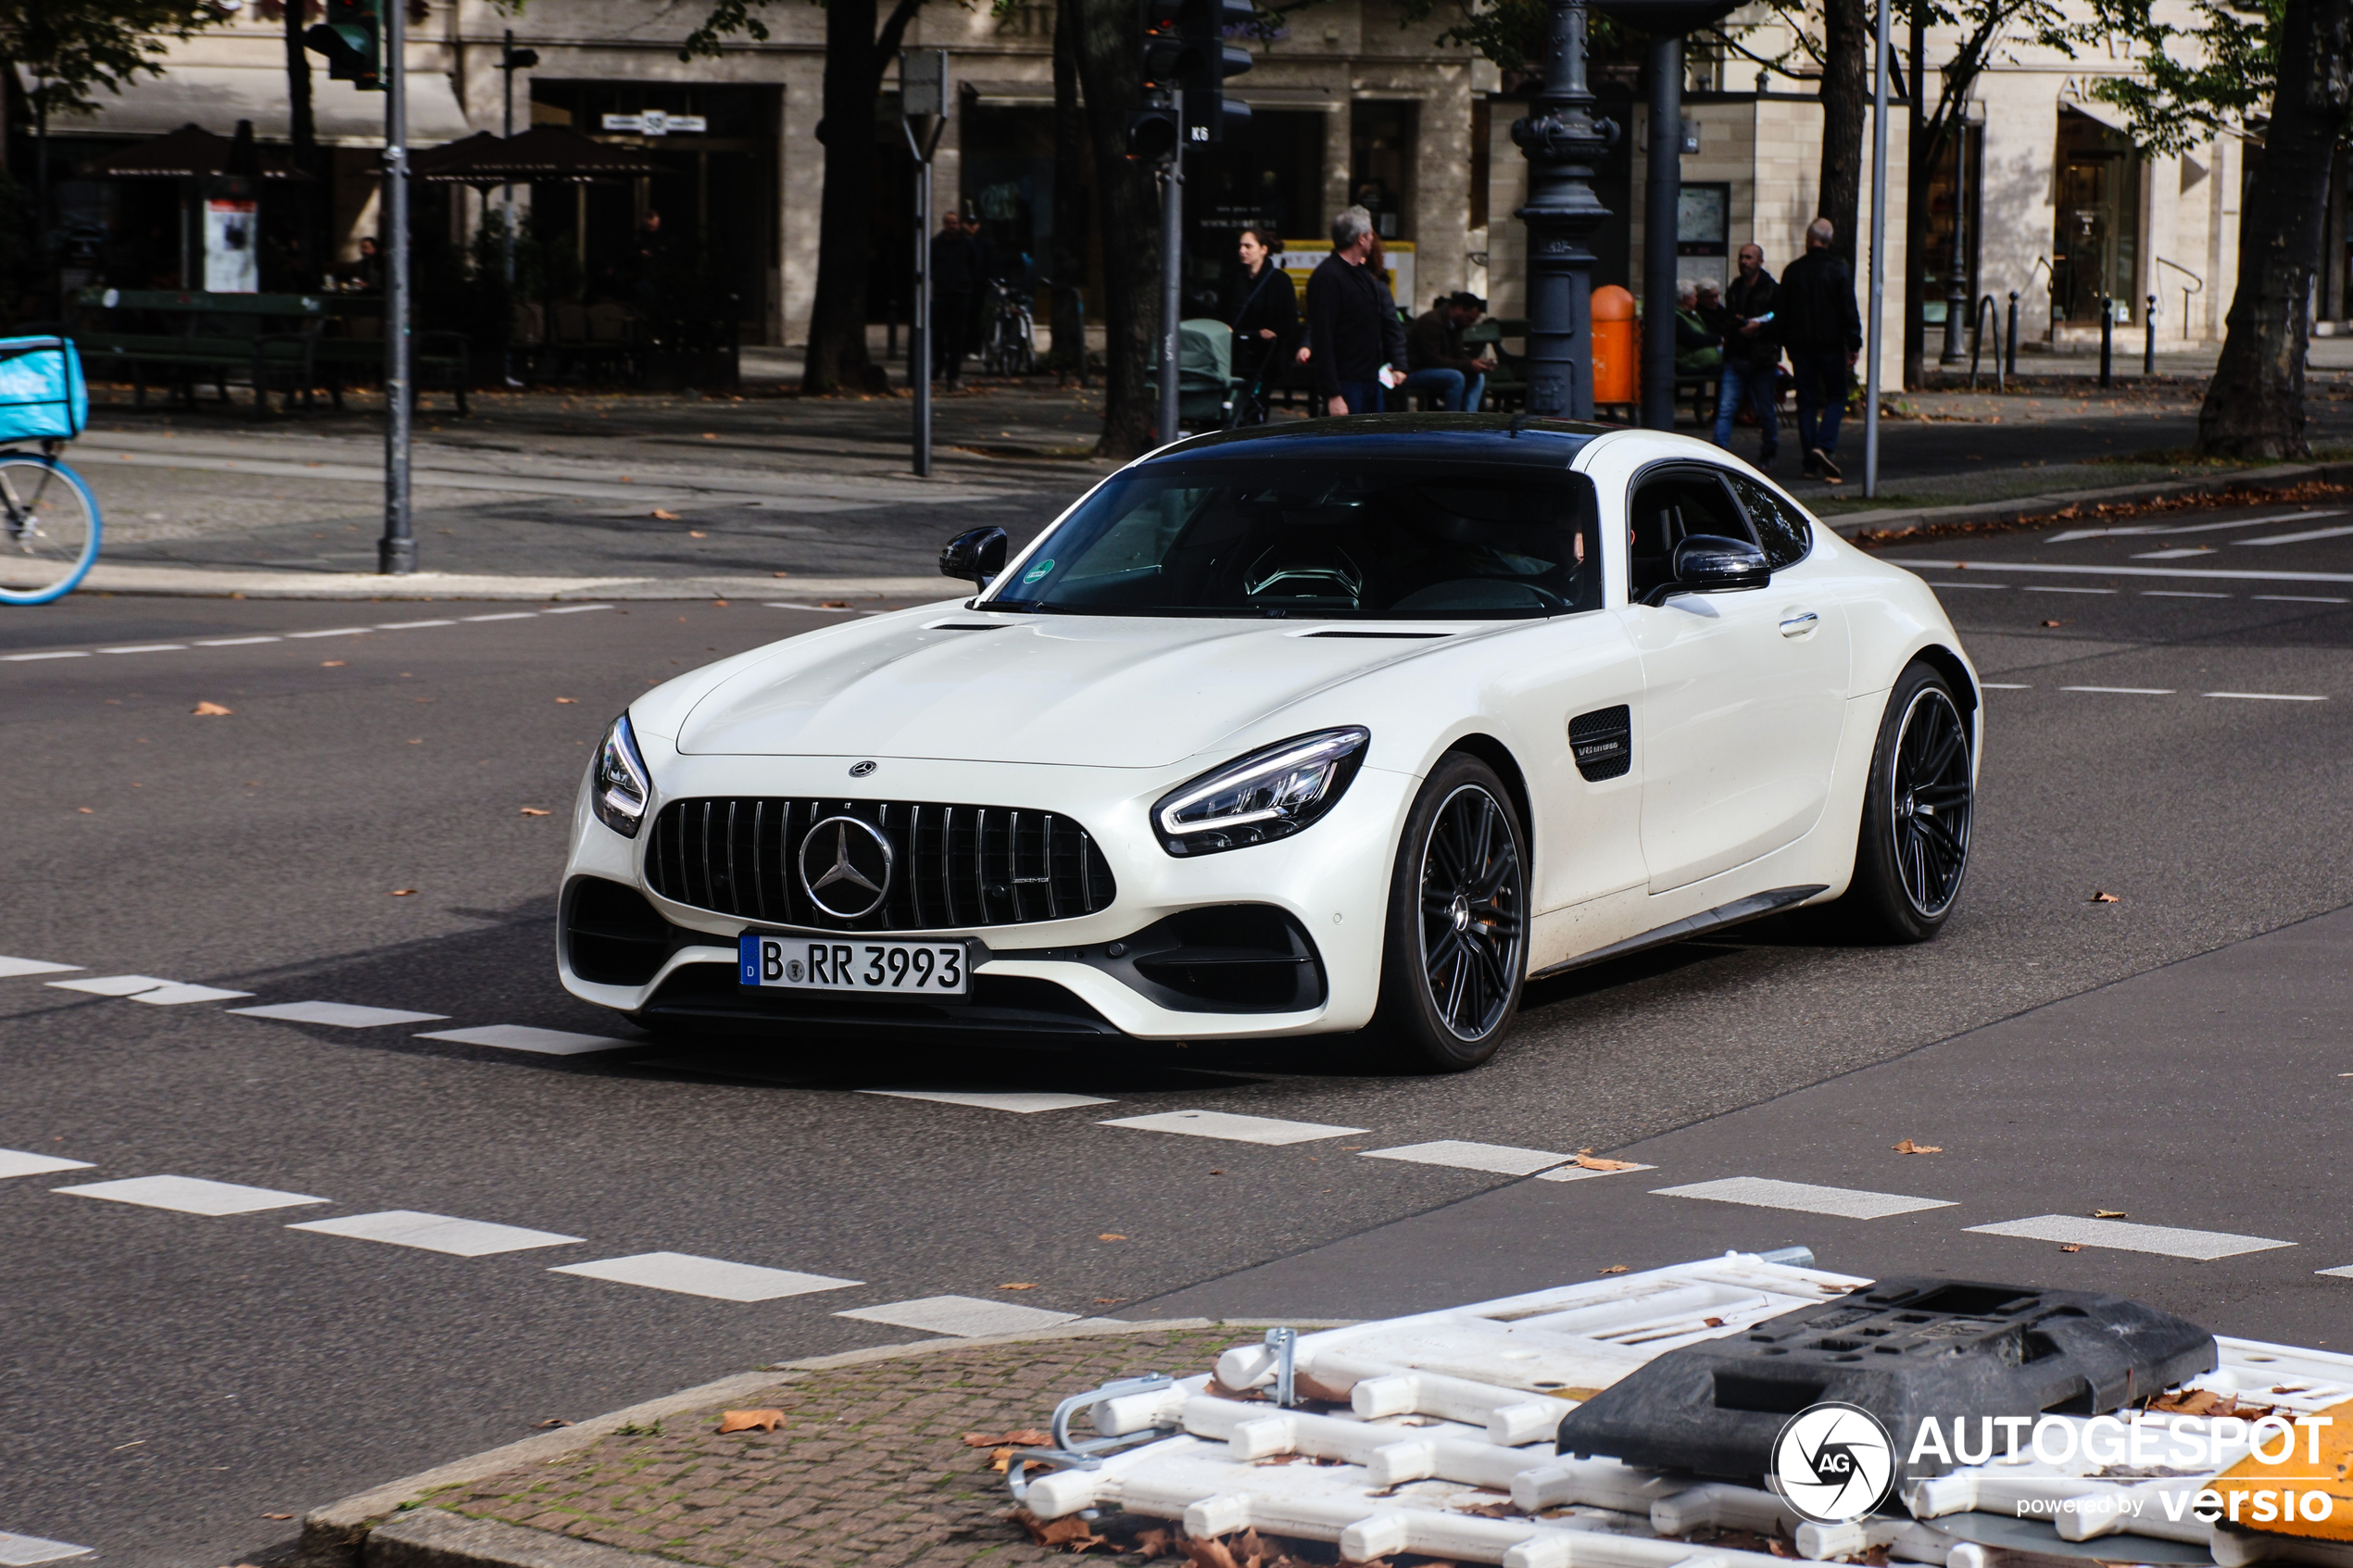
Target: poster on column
[[231, 263]]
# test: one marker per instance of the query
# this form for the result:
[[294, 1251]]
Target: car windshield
[[1391, 539]]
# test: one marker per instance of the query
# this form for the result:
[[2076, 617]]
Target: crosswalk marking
[[22, 1162], [437, 1233], [1847, 1203], [1023, 1104], [343, 1015], [11, 968], [192, 1195], [714, 1277], [176, 996], [961, 1317], [2202, 1246], [110, 984], [1500, 1159], [523, 1038], [24, 1551], [2345, 1271], [1233, 1128]]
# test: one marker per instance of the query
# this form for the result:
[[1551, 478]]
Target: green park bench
[[356, 348], [1507, 382], [182, 338]]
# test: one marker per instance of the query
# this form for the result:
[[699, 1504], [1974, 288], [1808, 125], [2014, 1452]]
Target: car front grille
[[953, 866]]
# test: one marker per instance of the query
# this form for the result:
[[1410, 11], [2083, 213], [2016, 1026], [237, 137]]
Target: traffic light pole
[[923, 101], [1172, 277], [396, 552]]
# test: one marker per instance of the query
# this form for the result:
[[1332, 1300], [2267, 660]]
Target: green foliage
[[1513, 33], [70, 47], [2212, 76]]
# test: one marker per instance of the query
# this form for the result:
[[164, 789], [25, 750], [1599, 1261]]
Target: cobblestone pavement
[[868, 1468]]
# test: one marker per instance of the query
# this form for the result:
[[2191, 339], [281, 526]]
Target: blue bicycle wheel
[[48, 529]]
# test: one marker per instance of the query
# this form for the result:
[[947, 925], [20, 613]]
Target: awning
[[189, 152], [218, 96], [2110, 115], [541, 153]]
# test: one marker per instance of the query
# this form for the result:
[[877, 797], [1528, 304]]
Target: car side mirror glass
[[977, 555], [1709, 564]]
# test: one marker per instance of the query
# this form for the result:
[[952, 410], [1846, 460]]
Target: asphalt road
[[355, 831]]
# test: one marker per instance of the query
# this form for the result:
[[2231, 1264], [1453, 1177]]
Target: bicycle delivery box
[[41, 394]]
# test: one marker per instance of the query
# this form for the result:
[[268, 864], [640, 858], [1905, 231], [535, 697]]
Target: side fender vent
[[1604, 742]]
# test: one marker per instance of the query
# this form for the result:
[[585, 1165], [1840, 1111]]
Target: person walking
[[1752, 354], [956, 278], [1436, 359], [1824, 334], [1262, 306], [1353, 336]]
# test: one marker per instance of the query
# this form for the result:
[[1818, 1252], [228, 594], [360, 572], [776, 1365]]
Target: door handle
[[1797, 625]]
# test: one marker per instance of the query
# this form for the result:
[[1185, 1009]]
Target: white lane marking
[[192, 1195], [2345, 1271], [22, 1162], [236, 642], [23, 1551], [2266, 697], [961, 1317], [409, 625], [1969, 585], [2299, 538], [437, 1233], [150, 648], [714, 1277], [2300, 599], [2180, 594], [2046, 588], [510, 615], [110, 984], [2203, 1246], [523, 1038], [2004, 687], [2124, 691], [2179, 552], [2073, 534], [573, 610], [821, 609], [1849, 1203], [1500, 1159], [2213, 574], [178, 996], [1023, 1104], [11, 968], [24, 657], [343, 1015], [332, 632], [1233, 1128]]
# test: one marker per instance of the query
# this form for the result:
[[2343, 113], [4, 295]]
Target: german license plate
[[930, 969]]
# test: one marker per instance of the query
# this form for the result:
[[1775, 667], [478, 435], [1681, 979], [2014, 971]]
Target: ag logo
[[1835, 1462]]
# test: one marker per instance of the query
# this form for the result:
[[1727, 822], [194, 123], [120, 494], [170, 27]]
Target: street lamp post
[[511, 60], [1956, 299], [397, 551], [1562, 142], [1663, 200]]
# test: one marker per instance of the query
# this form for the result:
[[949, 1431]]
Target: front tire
[[1912, 853], [1454, 960]]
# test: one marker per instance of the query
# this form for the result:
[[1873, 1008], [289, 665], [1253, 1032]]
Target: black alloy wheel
[[1912, 852], [1456, 956]]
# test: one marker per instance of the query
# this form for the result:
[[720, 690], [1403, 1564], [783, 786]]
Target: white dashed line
[[1969, 585], [192, 1195], [238, 642], [2180, 552], [332, 632], [1023, 1104], [821, 609], [1500, 1159], [342, 1015], [2266, 697], [437, 1233], [409, 625], [961, 1317], [2124, 691], [2299, 538], [2299, 599], [2210, 574], [522, 1037], [510, 615], [111, 985], [24, 1551], [1233, 1128], [2046, 588], [2179, 594], [27, 658], [573, 610], [2203, 1246], [714, 1277], [1845, 1202], [20, 1162], [178, 996], [150, 648], [11, 968], [2004, 687]]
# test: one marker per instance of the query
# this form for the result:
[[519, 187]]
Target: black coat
[[1817, 301], [1270, 300], [1351, 325], [1743, 302]]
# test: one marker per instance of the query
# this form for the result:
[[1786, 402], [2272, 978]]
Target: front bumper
[[1330, 883]]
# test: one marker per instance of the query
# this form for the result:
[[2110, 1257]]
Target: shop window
[[2096, 243]]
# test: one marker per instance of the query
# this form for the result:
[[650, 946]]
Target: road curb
[[1909, 519], [360, 1531]]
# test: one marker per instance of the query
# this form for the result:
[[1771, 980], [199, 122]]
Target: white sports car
[[1348, 724]]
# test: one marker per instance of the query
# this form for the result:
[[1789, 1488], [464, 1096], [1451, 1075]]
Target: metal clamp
[[1284, 1342], [1085, 1453]]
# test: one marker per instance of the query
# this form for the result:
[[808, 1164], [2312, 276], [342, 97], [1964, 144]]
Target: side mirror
[[977, 555], [1709, 564]]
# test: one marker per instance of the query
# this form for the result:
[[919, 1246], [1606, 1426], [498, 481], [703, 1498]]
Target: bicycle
[[1010, 349], [49, 526]]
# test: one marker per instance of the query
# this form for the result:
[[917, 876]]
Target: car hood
[[1084, 691]]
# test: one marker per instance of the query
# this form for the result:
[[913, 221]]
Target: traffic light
[[352, 40], [1204, 63], [1152, 133]]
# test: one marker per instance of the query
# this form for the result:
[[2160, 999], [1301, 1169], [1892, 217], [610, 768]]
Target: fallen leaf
[[1109, 1300], [1712, 1322], [332, 663], [832, 604], [2110, 1215], [780, 574], [2103, 899], [210, 710], [1908, 1146], [2069, 1246], [562, 702], [1307, 1385], [85, 810], [749, 1421], [553, 1420], [277, 1516], [533, 811], [1025, 1437], [697, 533], [1017, 1287], [1208, 1555], [1069, 1530], [402, 892], [2050, 623], [1494, 1511], [1613, 1268], [665, 517], [719, 604], [1588, 1159], [1111, 1236], [708, 435]]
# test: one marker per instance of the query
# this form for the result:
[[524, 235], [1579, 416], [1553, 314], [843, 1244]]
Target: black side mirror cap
[[1709, 564], [976, 555]]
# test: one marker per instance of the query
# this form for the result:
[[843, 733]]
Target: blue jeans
[[1755, 382], [1457, 393], [1363, 397], [1822, 380]]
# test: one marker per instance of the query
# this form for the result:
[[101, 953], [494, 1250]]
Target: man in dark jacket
[[1751, 354], [955, 279], [1353, 336], [1824, 334], [1437, 361]]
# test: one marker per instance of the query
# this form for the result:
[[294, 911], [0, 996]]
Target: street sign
[[654, 122], [923, 82]]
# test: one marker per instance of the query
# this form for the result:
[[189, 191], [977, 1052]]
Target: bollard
[[2107, 341], [2009, 344], [2148, 338]]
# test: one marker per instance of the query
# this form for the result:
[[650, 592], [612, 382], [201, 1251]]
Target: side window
[[1667, 508], [1782, 529]]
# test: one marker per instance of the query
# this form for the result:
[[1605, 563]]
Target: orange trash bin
[[1616, 359]]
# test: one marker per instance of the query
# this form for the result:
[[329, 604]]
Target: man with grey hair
[[1824, 333], [1356, 345]]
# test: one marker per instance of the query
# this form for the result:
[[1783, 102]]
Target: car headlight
[[1268, 795], [618, 791]]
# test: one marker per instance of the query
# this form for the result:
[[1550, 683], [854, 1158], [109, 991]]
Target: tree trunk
[[303, 131], [1918, 154], [1069, 257], [837, 358], [1846, 92], [2255, 404], [1110, 45]]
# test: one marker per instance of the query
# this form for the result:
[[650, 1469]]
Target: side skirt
[[1751, 908]]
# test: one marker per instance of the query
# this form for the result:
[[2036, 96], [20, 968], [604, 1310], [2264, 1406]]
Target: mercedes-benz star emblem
[[845, 867], [861, 769]]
